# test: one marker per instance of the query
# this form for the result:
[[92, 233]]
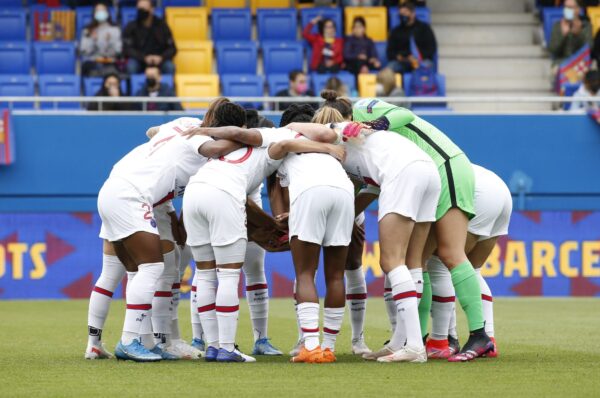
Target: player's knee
[[450, 256]]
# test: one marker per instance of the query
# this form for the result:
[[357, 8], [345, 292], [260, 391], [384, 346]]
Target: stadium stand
[[187, 23], [594, 16], [550, 15], [277, 82], [54, 57], [335, 14], [319, 80], [367, 83], [282, 57], [277, 24], [256, 4], [423, 14], [194, 57], [237, 57], [128, 14], [59, 86], [16, 57], [212, 4], [139, 80], [231, 24], [181, 3], [13, 25], [376, 18], [243, 86]]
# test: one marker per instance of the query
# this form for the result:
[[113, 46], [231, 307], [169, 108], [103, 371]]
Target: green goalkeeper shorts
[[458, 186]]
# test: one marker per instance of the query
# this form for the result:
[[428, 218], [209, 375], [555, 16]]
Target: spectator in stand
[[398, 51], [360, 53], [298, 88], [154, 88], [111, 87], [100, 44], [335, 84], [589, 88], [148, 41], [386, 84], [327, 50], [569, 34]]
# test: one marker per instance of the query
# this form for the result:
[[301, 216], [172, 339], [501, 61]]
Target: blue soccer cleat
[[160, 349], [211, 354], [199, 344], [135, 352], [264, 347], [233, 356]]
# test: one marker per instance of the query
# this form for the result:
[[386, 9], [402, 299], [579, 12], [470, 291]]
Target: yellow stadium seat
[[254, 4], [376, 18], [194, 57], [398, 79], [187, 23], [197, 86], [594, 15], [366, 84]]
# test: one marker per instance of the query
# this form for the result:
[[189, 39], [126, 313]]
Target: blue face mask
[[101, 16], [404, 20]]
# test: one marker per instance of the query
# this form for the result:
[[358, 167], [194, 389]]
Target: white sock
[[332, 323], [308, 316], [390, 304], [452, 328], [130, 276], [257, 292], [206, 294], [139, 299], [227, 306], [175, 332], [417, 277], [146, 336], [197, 332], [356, 299], [488, 304], [443, 298], [112, 273], [162, 304], [408, 328]]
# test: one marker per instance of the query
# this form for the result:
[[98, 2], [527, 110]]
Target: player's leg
[[112, 273], [416, 264], [442, 308]]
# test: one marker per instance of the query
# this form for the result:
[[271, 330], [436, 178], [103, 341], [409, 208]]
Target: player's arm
[[279, 150], [245, 136], [258, 217], [216, 149], [316, 132], [278, 196], [365, 197]]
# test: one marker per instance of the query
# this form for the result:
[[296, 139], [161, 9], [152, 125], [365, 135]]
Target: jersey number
[[240, 160]]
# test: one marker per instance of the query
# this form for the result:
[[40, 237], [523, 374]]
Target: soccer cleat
[[373, 356], [405, 354], [478, 345], [306, 356], [359, 347], [264, 347], [233, 356], [296, 350], [135, 352], [164, 352], [438, 349], [97, 352], [453, 344], [199, 344], [328, 356], [184, 351], [211, 354], [494, 352]]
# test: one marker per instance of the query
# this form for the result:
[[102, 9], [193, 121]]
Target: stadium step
[[484, 19], [492, 68], [502, 107], [493, 86], [481, 34], [479, 51], [477, 6]]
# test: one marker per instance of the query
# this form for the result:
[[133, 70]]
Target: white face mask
[[568, 13], [101, 16], [379, 90]]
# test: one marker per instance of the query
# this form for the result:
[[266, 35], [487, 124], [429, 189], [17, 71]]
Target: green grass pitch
[[548, 347]]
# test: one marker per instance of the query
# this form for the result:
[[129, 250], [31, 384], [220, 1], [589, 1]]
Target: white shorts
[[123, 211], [323, 215], [163, 221], [493, 207], [212, 216], [228, 254], [414, 193]]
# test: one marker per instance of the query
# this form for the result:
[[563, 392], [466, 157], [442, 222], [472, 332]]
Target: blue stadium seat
[[381, 47], [243, 86], [282, 57], [181, 3], [54, 57], [335, 14], [84, 15], [277, 82], [129, 14], [277, 24], [91, 85], [17, 86], [550, 15], [138, 81], [13, 24], [16, 57], [231, 24], [319, 80], [237, 57], [423, 14], [60, 86]]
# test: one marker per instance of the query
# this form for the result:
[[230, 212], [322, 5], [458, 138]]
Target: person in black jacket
[[111, 87], [154, 88], [399, 42], [148, 41]]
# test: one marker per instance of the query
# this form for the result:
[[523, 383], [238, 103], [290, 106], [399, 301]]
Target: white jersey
[[300, 172], [162, 167], [380, 156], [240, 173]]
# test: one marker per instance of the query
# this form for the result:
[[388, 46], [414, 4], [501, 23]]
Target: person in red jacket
[[327, 50]]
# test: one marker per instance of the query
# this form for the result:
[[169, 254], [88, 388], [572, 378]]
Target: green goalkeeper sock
[[468, 293], [425, 304]]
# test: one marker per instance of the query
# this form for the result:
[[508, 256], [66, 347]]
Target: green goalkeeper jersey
[[402, 121]]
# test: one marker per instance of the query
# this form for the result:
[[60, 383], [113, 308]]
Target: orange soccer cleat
[[494, 353], [306, 356], [437, 349], [328, 356]]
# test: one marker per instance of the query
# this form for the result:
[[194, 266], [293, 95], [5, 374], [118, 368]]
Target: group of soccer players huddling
[[439, 217]]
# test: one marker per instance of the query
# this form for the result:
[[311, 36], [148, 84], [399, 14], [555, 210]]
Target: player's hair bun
[[329, 95]]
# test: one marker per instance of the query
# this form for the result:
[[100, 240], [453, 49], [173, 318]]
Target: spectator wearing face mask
[[327, 49], [298, 87], [589, 88], [111, 87], [148, 41], [100, 43], [154, 88], [569, 34], [398, 50]]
